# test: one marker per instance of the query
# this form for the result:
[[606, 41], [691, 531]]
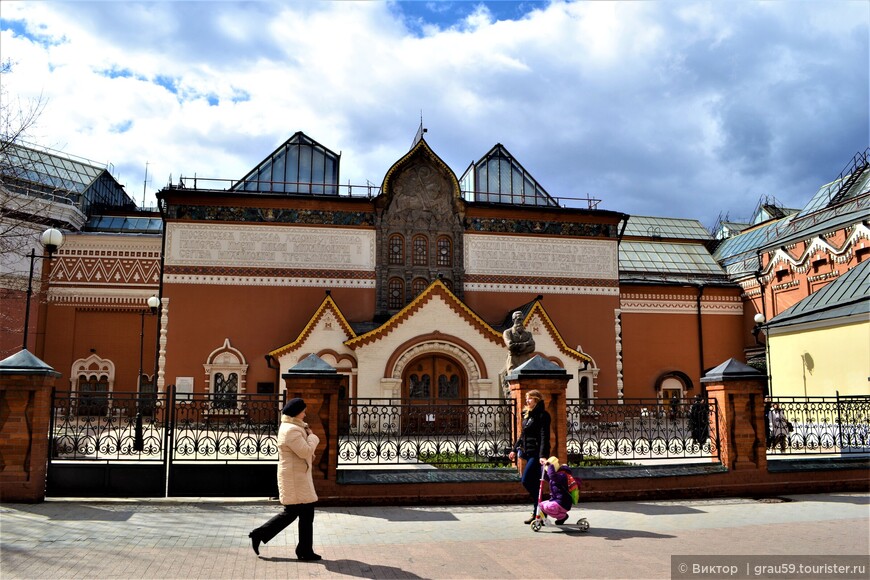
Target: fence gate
[[122, 445], [104, 444], [224, 444]]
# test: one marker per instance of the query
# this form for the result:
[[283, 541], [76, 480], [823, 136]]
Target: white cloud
[[682, 109]]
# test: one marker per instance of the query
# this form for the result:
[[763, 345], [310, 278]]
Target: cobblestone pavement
[[207, 538]]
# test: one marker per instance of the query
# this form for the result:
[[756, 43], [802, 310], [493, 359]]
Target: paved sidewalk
[[207, 538]]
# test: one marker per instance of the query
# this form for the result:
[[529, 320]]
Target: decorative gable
[[327, 324]]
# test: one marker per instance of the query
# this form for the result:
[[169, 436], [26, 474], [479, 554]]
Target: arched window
[[93, 379], [418, 285], [421, 251], [396, 298], [225, 375], [396, 248], [226, 390], [444, 250]]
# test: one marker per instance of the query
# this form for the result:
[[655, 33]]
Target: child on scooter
[[560, 501]]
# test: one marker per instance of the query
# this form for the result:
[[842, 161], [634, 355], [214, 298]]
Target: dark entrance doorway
[[435, 386]]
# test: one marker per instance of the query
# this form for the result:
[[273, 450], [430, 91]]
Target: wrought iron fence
[[205, 427], [126, 426], [464, 433], [822, 425], [641, 429], [119, 426]]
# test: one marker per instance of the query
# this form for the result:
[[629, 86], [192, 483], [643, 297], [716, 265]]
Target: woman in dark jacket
[[533, 444]]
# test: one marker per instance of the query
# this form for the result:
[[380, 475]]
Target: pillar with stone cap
[[739, 393], [319, 384], [551, 380], [25, 409]]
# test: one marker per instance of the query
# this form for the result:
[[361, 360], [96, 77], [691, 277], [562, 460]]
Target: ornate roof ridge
[[327, 304], [436, 288]]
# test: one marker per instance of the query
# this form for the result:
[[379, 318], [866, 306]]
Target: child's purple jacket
[[559, 486]]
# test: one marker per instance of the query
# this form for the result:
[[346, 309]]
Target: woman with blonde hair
[[532, 445]]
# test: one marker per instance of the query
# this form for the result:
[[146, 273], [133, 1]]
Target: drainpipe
[[700, 333], [757, 274], [269, 360], [767, 333]]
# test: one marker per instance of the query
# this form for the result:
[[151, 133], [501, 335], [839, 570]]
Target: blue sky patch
[[115, 73], [20, 28], [447, 13], [168, 83], [121, 127]]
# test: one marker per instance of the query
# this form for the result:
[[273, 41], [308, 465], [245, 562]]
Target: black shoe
[[562, 521], [255, 542], [312, 557], [530, 520]]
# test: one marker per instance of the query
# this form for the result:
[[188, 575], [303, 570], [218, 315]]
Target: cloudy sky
[[681, 109]]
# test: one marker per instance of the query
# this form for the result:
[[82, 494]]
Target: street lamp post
[[153, 304], [51, 239], [138, 440]]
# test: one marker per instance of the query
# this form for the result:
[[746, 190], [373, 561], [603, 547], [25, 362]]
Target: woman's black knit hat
[[294, 407]]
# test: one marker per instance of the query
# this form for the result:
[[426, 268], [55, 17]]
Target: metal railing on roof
[[269, 186], [332, 189]]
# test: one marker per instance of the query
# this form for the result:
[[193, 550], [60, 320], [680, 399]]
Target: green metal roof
[[658, 227], [667, 258], [846, 296]]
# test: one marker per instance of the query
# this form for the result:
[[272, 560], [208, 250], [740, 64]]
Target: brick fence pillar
[[552, 381], [319, 384], [25, 410], [739, 393]]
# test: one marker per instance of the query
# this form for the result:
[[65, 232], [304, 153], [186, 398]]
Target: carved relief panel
[[420, 226]]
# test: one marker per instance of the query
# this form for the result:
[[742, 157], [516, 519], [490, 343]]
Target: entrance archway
[[431, 384]]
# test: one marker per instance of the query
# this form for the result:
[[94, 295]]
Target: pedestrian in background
[[778, 427], [532, 445], [296, 445]]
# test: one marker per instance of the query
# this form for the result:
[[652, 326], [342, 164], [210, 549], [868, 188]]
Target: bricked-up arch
[[420, 205]]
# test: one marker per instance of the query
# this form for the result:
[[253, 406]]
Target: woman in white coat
[[296, 445]]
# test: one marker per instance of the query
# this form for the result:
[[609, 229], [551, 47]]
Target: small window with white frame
[[225, 374]]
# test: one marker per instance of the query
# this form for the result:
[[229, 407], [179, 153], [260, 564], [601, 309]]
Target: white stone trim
[[114, 296], [438, 346], [267, 281], [617, 326], [540, 288], [391, 388], [80, 367], [679, 307]]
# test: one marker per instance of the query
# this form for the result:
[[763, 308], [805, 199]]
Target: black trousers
[[305, 513]]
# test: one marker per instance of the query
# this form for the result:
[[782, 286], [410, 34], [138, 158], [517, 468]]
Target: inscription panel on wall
[[269, 246], [541, 257]]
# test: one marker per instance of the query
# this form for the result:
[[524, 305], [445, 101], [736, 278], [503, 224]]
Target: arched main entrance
[[430, 383]]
